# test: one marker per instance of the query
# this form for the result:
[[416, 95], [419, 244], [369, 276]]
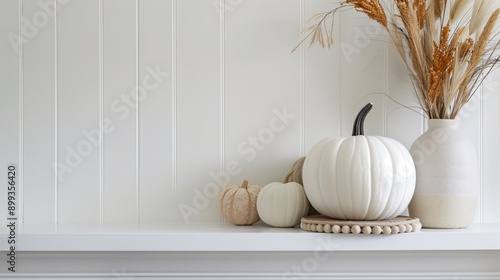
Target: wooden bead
[[386, 230], [367, 230], [319, 228], [414, 227], [356, 229], [327, 228], [346, 229], [336, 229], [409, 228], [418, 227], [377, 230], [402, 228], [394, 229]]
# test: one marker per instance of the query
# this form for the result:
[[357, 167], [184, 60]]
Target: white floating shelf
[[228, 238], [207, 252]]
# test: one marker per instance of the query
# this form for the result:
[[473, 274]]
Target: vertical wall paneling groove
[[480, 161], [490, 151], [471, 122], [174, 102], [321, 81], [222, 43], [156, 199], [262, 83], [56, 122], [302, 81], [363, 57], [338, 76], [38, 116], [101, 113], [386, 87], [119, 50], [78, 105], [137, 118], [9, 88], [198, 109], [398, 118], [20, 189], [221, 77]]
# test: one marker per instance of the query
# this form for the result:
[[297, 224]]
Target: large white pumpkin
[[282, 204], [359, 177]]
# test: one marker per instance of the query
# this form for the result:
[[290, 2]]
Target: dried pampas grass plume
[[459, 8], [481, 11], [448, 47]]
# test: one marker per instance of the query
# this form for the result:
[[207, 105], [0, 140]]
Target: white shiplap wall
[[210, 76]]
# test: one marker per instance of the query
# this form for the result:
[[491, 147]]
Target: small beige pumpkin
[[295, 174], [239, 203]]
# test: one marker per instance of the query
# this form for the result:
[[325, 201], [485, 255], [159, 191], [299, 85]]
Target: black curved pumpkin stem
[[360, 120]]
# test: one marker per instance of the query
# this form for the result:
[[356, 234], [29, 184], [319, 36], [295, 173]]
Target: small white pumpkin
[[238, 204], [359, 177], [282, 204]]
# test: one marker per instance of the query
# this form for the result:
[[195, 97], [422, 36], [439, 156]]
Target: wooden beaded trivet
[[320, 223]]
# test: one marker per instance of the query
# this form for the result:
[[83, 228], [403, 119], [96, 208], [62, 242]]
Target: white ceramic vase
[[447, 176]]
